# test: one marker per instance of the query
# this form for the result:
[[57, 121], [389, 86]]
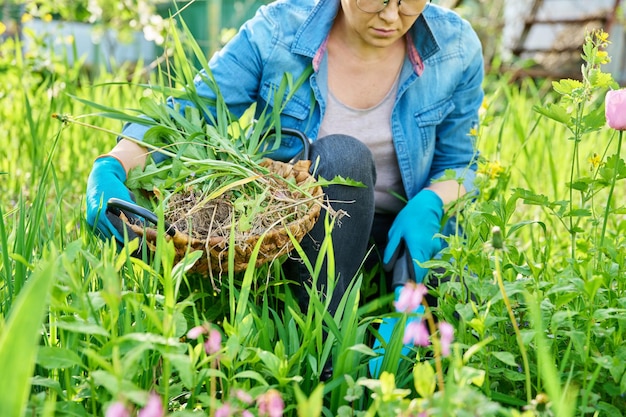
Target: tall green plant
[[580, 109]]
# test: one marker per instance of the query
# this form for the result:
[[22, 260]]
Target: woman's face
[[377, 29]]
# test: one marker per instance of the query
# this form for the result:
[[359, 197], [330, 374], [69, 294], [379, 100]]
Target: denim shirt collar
[[312, 36]]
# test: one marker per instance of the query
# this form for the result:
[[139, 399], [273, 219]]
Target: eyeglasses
[[405, 7]]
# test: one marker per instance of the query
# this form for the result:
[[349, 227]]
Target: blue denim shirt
[[439, 93]]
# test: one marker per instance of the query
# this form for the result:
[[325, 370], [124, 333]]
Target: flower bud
[[615, 109], [496, 239]]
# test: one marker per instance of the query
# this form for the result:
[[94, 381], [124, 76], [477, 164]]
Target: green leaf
[[53, 357], [566, 86], [594, 121], [75, 325], [603, 314], [600, 79], [555, 112], [252, 375], [582, 184], [529, 197], [506, 357], [49, 383], [613, 163], [114, 385], [182, 363], [153, 110], [19, 337], [312, 406], [608, 410], [469, 375], [579, 213], [338, 180], [424, 379]]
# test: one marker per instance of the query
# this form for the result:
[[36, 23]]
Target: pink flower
[[223, 411], [117, 409], [411, 296], [270, 404], [416, 333], [243, 396], [153, 408], [196, 332], [213, 342], [446, 335], [615, 109], [246, 413]]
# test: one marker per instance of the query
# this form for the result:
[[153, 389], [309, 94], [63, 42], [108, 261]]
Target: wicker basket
[[275, 241]]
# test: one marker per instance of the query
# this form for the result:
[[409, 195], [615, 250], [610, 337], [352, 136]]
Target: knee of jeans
[[346, 156]]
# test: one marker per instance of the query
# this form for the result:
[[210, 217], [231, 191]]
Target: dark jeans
[[348, 157], [353, 235]]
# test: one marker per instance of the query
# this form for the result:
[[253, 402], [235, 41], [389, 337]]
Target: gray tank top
[[371, 126]]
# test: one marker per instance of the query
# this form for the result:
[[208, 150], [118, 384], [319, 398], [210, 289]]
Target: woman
[[394, 94]]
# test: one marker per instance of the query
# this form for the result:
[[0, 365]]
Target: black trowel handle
[[115, 205], [403, 270]]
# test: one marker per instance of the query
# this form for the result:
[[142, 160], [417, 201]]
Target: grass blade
[[18, 341]]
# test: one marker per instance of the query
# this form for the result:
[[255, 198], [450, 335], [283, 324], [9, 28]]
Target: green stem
[[518, 335], [575, 168], [436, 345], [571, 202], [613, 181]]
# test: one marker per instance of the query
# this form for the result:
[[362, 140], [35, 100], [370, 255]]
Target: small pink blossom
[[615, 109], [416, 333], [243, 396], [213, 342], [223, 411], [153, 408], [117, 409], [246, 413], [446, 335], [196, 332], [411, 297], [270, 404]]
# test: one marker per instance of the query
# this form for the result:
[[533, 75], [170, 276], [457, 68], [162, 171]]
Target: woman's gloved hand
[[106, 181], [416, 225], [411, 239]]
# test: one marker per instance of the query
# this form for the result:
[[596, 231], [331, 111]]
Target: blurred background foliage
[[212, 22]]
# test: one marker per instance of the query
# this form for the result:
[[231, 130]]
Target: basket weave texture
[[276, 241]]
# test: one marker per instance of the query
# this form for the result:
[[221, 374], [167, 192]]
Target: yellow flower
[[3, 28], [27, 17], [473, 132], [47, 17], [602, 36], [492, 169], [483, 108], [595, 160], [603, 57]]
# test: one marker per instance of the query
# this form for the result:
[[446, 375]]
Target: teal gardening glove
[[411, 239], [416, 226], [106, 181]]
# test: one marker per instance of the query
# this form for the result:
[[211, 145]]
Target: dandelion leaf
[[613, 163], [601, 79], [566, 86], [554, 112]]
